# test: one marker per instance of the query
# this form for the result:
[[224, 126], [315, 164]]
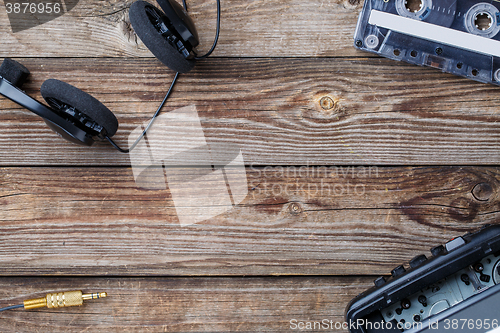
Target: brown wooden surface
[[384, 112], [406, 158], [183, 304], [342, 220], [250, 28]]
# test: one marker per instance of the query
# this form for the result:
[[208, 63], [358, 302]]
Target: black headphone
[[76, 116]]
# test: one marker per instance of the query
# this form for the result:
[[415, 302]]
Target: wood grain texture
[[255, 28], [384, 112], [294, 221], [318, 212], [181, 304]]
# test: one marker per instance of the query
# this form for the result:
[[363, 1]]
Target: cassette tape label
[[457, 36], [435, 33]]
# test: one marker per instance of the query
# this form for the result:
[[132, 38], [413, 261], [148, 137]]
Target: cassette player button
[[455, 243], [398, 271], [379, 282], [418, 260], [436, 250]]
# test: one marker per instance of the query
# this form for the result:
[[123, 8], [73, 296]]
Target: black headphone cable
[[126, 151]]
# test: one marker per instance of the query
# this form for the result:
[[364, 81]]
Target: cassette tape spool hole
[[441, 12], [482, 20], [414, 6], [415, 9]]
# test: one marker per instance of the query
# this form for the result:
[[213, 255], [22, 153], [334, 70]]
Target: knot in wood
[[482, 191], [326, 103], [295, 208]]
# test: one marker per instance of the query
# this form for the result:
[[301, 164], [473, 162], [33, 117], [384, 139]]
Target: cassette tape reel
[[461, 37]]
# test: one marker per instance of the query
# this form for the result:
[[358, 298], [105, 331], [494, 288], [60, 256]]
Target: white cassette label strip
[[435, 33]]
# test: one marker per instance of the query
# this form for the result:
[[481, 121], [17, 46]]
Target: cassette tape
[[456, 36]]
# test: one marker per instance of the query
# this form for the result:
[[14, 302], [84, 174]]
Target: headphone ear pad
[[155, 42], [14, 72], [83, 102]]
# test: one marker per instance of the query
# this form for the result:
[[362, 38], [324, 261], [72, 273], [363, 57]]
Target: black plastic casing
[[367, 305], [180, 19], [58, 124]]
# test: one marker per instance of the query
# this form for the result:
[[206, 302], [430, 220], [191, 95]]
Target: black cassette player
[[457, 289]]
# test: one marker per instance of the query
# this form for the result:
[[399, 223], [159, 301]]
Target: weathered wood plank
[[383, 112], [255, 28], [182, 304], [300, 221]]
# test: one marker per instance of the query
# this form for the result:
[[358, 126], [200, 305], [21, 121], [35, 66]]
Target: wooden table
[[409, 156]]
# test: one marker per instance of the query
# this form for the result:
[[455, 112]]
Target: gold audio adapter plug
[[57, 300]]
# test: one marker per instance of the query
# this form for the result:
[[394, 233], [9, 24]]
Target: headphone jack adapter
[[57, 300]]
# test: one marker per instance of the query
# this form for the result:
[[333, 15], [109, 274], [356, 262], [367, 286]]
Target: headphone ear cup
[[180, 20], [154, 41], [61, 92]]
